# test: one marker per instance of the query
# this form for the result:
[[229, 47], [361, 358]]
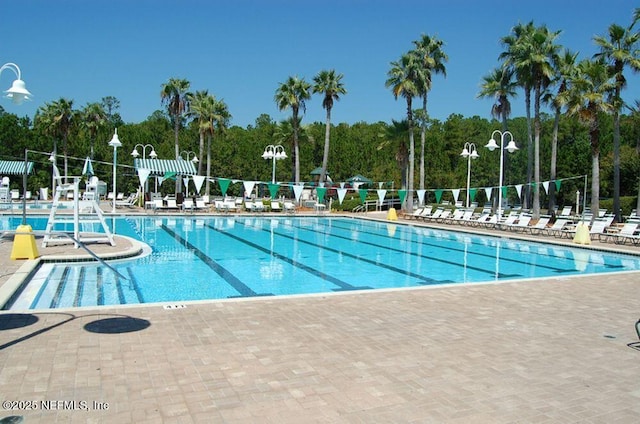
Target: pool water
[[197, 258]]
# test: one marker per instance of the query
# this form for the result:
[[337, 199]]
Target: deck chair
[[566, 212], [200, 204], [275, 206], [187, 205], [557, 227], [258, 206], [521, 224], [628, 232], [289, 207], [539, 226]]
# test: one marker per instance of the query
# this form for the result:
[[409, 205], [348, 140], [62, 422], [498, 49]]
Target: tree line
[[586, 130]]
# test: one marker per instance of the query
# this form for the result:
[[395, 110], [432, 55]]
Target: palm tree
[[565, 68], [219, 118], [619, 51], [516, 52], [93, 118], [292, 94], [58, 118], [586, 98], [533, 54], [403, 83], [499, 84], [432, 60], [200, 110], [330, 85], [175, 95]]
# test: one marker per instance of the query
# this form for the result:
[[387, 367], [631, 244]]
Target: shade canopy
[[14, 167], [359, 179], [163, 166], [317, 171]]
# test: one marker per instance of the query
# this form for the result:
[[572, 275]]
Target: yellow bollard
[[582, 234], [24, 243], [391, 215]]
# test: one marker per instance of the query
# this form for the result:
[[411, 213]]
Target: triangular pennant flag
[[545, 184], [472, 193], [504, 191], [381, 194], [273, 189], [341, 193], [558, 183], [342, 185], [356, 186], [160, 180], [421, 196], [297, 190], [456, 193], [321, 184], [320, 191], [169, 176], [198, 180], [519, 190], [143, 174], [403, 195], [248, 187], [487, 192], [363, 194], [380, 184], [439, 194]]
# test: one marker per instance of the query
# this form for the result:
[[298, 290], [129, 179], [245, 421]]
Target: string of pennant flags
[[342, 189]]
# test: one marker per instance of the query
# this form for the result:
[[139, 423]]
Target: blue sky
[[241, 50]]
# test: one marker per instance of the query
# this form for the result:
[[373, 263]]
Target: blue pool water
[[195, 258]]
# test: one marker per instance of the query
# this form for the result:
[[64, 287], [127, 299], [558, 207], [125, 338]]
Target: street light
[[469, 152], [188, 153], [152, 155], [115, 143], [511, 147], [274, 153], [18, 92]]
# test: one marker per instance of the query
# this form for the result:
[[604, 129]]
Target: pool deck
[[558, 350]]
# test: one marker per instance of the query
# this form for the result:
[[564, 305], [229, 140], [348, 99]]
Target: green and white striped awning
[[162, 166], [14, 167]]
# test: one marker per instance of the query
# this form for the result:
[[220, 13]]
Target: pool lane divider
[[505, 247], [343, 286], [232, 280], [422, 279]]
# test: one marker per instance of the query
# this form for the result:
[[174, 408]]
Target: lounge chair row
[[601, 228]]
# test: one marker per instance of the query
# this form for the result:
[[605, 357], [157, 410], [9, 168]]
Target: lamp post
[[274, 153], [469, 152], [511, 147], [18, 92], [194, 159], [115, 143], [152, 155]]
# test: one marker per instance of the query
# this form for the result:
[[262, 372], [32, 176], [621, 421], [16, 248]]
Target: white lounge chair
[[275, 206], [289, 207]]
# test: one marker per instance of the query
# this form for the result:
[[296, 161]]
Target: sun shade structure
[[14, 167], [163, 166]]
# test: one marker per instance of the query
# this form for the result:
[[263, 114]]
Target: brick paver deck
[[543, 351]]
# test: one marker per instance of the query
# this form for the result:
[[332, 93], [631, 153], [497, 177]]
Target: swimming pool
[[197, 258]]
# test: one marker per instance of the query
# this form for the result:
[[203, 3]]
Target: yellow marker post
[[24, 243], [582, 234], [391, 215]]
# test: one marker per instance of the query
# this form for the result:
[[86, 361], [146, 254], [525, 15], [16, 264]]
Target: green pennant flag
[[558, 183], [273, 189], [169, 176], [472, 193], [439, 192], [363, 194], [321, 191], [402, 194], [224, 185], [504, 191]]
